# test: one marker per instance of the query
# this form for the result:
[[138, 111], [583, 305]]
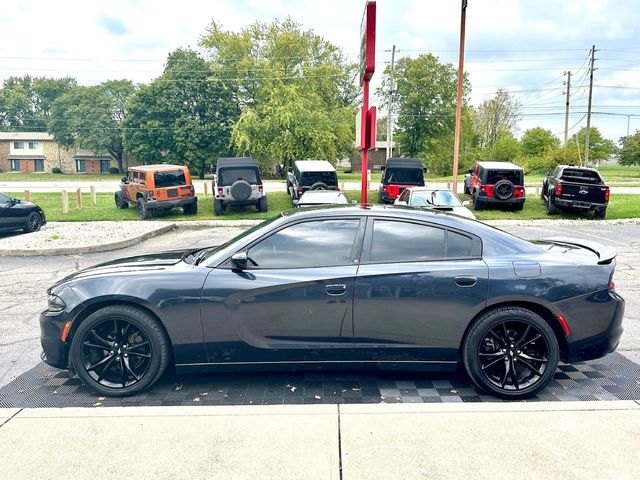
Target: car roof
[[399, 162], [162, 167], [578, 167], [314, 166], [236, 162], [500, 165]]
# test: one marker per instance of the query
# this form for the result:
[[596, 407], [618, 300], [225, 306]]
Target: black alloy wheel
[[511, 352], [119, 350], [34, 222]]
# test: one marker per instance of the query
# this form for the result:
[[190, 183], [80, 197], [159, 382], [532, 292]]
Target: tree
[[537, 141], [496, 117], [381, 129], [425, 102], [630, 150], [185, 116], [599, 147], [92, 117], [290, 83], [26, 102], [505, 149]]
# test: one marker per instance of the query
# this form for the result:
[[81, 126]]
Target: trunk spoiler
[[605, 253]]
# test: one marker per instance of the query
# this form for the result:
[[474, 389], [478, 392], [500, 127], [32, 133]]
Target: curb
[[37, 252]]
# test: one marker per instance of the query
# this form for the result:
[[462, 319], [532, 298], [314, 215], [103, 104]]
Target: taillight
[[612, 285], [300, 191], [559, 189], [606, 194], [386, 188], [260, 188], [220, 190]]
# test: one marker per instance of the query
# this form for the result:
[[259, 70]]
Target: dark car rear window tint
[[574, 175], [171, 178], [459, 245], [404, 176], [309, 178], [228, 176], [406, 242], [514, 176]]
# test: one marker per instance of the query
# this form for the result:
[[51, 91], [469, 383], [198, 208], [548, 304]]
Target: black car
[[575, 188], [330, 286], [400, 174], [20, 215], [311, 175]]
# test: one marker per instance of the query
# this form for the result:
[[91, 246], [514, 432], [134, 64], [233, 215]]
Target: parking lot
[[25, 381]]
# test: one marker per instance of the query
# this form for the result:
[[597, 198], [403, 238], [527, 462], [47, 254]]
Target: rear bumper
[[168, 204], [497, 201], [580, 205], [596, 325]]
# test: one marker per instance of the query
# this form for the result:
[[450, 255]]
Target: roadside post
[[206, 189], [367, 66], [65, 202], [27, 195], [78, 198], [93, 195]]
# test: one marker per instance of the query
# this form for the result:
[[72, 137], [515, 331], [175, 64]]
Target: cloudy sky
[[522, 45]]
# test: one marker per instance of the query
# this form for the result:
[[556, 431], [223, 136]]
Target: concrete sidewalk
[[492, 440]]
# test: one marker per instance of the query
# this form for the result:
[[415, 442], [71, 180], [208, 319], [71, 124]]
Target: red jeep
[[400, 173], [496, 183]]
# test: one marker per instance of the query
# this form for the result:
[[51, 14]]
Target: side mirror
[[239, 260], [466, 203], [470, 170]]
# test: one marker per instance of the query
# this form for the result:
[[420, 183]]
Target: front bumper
[[169, 204], [595, 321], [54, 351]]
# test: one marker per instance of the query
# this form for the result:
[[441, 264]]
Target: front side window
[[142, 178], [406, 242], [322, 243]]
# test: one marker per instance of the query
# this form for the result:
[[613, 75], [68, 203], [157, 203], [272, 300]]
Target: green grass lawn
[[621, 206]]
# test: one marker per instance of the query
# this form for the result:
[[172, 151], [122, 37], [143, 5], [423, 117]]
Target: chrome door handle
[[466, 281], [335, 290]]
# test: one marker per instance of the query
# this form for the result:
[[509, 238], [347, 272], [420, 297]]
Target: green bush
[[56, 170], [114, 170]]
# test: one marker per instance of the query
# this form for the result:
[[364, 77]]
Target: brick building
[[33, 152]]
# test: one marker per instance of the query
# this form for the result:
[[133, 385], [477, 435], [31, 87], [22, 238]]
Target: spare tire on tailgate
[[241, 190], [503, 190], [319, 186]]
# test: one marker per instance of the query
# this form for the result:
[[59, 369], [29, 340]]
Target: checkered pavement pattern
[[613, 377]]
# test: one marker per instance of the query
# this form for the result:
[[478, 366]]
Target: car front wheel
[[119, 351], [34, 222], [511, 352]]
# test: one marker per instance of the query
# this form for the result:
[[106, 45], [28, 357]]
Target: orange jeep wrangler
[[157, 187]]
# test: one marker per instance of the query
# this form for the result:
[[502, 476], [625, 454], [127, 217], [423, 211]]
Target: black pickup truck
[[578, 188]]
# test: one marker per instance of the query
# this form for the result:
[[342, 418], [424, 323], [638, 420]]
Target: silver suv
[[238, 182]]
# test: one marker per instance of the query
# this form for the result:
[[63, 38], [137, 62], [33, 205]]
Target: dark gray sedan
[[346, 286]]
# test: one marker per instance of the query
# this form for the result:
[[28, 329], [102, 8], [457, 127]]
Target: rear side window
[[171, 178], [404, 176], [322, 243], [458, 245], [406, 242], [309, 178], [514, 176], [228, 176]]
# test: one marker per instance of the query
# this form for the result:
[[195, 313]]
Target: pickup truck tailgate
[[583, 193]]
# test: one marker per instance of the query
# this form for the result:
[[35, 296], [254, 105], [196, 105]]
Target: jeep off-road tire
[[121, 203], [190, 208], [218, 207], [142, 210], [262, 204], [319, 186], [503, 189], [551, 207], [477, 203], [240, 190]]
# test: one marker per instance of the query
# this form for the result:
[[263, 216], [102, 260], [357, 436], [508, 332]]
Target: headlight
[[55, 303]]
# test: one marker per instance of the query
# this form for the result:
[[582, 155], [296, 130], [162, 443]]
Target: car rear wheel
[[121, 203], [190, 208], [511, 352], [119, 351], [551, 207], [262, 204], [142, 210], [34, 222], [477, 203], [600, 213], [218, 207]]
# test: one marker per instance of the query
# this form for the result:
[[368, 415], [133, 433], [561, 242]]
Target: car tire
[[124, 362], [121, 203], [518, 206], [551, 207], [142, 210], [503, 189], [510, 352], [190, 208], [319, 186], [218, 207], [288, 188], [262, 204], [600, 213], [465, 189], [240, 190], [34, 223], [477, 203]]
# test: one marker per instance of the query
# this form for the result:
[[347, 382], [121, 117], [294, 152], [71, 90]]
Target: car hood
[[130, 265]]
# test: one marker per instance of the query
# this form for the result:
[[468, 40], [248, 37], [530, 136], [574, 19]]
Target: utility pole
[[628, 121], [456, 141], [392, 88], [586, 139], [566, 113]]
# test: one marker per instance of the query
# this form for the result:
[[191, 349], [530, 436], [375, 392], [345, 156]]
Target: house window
[[15, 165], [80, 166], [33, 145], [39, 165], [104, 166], [18, 145]]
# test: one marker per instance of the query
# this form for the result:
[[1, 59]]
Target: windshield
[[172, 178], [434, 198], [404, 176], [309, 178], [228, 176]]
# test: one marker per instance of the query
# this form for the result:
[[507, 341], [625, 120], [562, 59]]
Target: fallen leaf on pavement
[[97, 404], [454, 391], [178, 387], [197, 399], [293, 389], [101, 398], [317, 397]]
